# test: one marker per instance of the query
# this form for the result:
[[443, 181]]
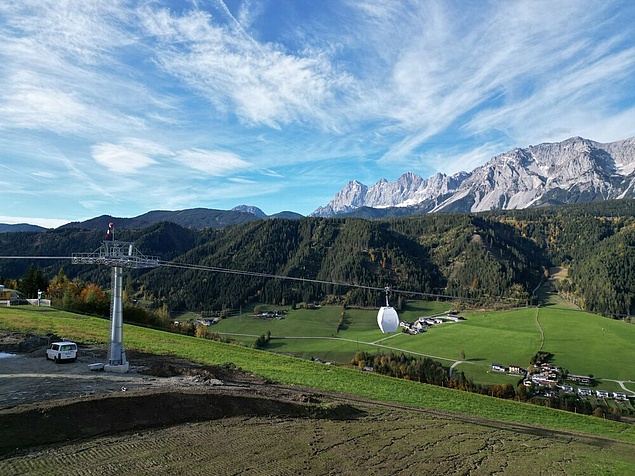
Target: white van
[[59, 351]]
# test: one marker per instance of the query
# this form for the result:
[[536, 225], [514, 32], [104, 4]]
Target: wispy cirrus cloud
[[259, 83], [242, 180], [87, 32], [27, 105], [221, 101], [575, 97], [212, 162], [64, 69], [122, 158], [456, 64], [133, 155]]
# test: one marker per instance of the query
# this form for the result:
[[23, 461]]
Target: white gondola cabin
[[387, 317]]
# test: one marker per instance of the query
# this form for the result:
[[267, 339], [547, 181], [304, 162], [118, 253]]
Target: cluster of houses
[[207, 322], [421, 324], [512, 369], [215, 320], [201, 322], [587, 392], [545, 374], [548, 376], [277, 315]]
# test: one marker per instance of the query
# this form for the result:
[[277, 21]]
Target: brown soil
[[42, 402], [172, 416]]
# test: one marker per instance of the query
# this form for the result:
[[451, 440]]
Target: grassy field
[[293, 371], [581, 342]]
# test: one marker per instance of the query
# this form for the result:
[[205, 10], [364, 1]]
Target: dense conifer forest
[[493, 258]]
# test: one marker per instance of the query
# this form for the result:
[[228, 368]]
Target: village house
[[8, 296], [581, 379], [516, 369], [567, 388], [409, 328], [545, 381], [548, 367], [422, 323]]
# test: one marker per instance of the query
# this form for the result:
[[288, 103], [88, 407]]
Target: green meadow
[[289, 370], [581, 342]]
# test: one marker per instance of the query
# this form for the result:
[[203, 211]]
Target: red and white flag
[[110, 232]]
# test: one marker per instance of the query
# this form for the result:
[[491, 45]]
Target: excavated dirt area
[[28, 377], [170, 416]]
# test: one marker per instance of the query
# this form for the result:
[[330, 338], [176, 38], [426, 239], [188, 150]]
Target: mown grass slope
[[293, 371]]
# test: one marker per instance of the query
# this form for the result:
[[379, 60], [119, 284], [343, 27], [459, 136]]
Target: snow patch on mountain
[[573, 170], [250, 209]]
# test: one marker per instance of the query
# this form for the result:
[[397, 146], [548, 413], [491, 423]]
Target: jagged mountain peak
[[574, 170]]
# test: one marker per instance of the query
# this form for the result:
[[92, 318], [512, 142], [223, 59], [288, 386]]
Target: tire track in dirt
[[361, 436], [382, 441]]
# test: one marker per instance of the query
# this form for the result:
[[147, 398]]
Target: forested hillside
[[493, 258]]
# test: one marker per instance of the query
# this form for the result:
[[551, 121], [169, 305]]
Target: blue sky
[[122, 107]]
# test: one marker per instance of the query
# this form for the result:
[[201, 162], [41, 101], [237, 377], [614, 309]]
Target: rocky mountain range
[[575, 170]]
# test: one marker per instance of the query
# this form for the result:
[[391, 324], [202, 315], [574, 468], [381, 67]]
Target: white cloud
[[129, 155], [145, 146], [212, 162], [260, 83], [248, 12], [28, 106], [516, 61], [272, 173], [242, 180], [44, 174], [120, 158], [83, 31]]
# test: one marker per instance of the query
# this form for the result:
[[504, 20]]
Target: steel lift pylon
[[118, 255]]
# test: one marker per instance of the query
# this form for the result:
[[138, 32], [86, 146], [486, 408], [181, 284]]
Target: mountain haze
[[194, 218], [5, 228], [575, 170]]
